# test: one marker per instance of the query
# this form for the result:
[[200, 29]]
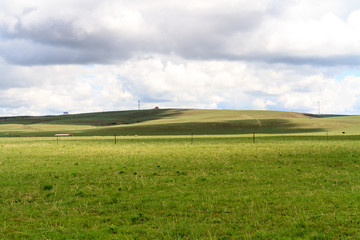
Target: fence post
[[115, 137], [253, 137]]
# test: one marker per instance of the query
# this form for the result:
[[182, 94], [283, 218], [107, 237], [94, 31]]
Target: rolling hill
[[179, 122]]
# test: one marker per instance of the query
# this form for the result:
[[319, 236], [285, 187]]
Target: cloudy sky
[[86, 55]]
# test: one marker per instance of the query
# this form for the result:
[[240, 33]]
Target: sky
[[88, 56]]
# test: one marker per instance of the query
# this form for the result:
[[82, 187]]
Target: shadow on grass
[[121, 123], [325, 115], [96, 119], [269, 126]]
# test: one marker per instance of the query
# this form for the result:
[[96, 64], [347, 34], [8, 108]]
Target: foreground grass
[[214, 188]]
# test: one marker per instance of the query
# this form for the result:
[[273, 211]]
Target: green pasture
[[178, 187], [178, 122]]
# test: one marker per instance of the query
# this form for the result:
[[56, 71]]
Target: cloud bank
[[81, 56]]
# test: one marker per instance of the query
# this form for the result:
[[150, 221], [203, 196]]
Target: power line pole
[[139, 104]]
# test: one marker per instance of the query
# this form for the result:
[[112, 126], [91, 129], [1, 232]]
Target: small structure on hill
[[156, 108], [63, 135]]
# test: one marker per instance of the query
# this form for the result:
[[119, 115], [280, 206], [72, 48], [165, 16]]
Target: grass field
[[179, 122], [216, 187]]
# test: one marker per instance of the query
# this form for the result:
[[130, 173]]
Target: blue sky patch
[[340, 77], [96, 87]]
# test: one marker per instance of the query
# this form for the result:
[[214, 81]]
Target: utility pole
[[139, 104]]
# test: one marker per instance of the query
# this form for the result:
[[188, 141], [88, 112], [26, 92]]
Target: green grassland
[[173, 187], [178, 122], [180, 174]]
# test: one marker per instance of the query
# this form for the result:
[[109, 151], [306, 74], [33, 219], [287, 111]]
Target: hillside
[[178, 122]]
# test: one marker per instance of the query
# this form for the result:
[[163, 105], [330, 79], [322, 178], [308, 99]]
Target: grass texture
[[178, 187], [178, 122]]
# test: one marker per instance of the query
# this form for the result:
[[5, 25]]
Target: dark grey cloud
[[319, 61], [69, 34], [22, 52], [347, 60], [65, 40]]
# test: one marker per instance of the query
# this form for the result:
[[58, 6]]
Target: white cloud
[[266, 54], [107, 31], [158, 81], [327, 36]]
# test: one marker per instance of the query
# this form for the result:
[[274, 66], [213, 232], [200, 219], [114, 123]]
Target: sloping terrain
[[178, 122]]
